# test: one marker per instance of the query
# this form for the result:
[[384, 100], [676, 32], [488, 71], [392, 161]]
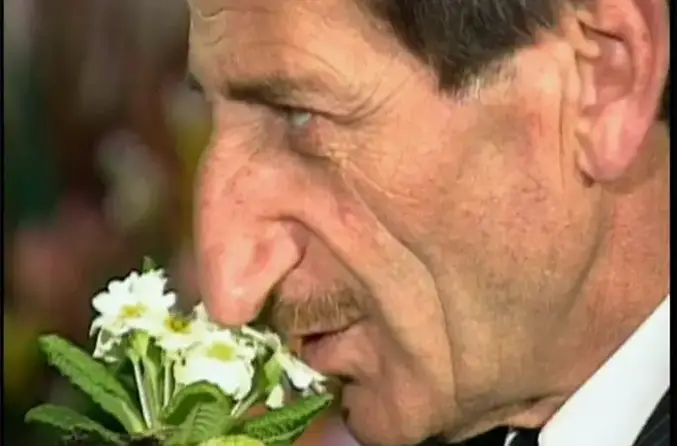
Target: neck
[[628, 281]]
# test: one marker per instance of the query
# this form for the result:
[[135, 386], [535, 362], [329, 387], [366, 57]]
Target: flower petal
[[300, 375], [97, 323], [275, 398], [107, 303], [234, 378], [200, 312]]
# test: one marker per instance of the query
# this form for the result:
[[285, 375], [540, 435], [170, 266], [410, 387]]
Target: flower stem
[[152, 388], [142, 394], [243, 405], [167, 383]]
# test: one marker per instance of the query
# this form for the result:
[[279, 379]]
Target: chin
[[377, 421]]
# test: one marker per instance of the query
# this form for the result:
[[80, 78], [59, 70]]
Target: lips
[[317, 349], [313, 335], [325, 351], [315, 341], [311, 340]]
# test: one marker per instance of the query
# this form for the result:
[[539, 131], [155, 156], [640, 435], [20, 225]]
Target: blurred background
[[102, 136]]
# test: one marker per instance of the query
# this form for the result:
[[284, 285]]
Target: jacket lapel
[[656, 431]]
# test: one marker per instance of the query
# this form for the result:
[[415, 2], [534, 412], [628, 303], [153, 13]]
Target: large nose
[[245, 242]]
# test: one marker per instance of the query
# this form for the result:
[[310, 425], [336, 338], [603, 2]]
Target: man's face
[[434, 241]]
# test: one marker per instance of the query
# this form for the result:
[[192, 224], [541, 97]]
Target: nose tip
[[244, 264]]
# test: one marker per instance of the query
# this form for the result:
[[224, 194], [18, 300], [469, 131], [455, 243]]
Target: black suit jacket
[[656, 431]]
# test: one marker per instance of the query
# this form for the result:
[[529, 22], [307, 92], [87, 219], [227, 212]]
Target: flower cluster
[[193, 381], [137, 321]]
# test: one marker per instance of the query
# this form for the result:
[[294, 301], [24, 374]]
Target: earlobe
[[622, 57]]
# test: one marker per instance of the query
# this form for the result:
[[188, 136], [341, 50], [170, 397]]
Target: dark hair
[[466, 40]]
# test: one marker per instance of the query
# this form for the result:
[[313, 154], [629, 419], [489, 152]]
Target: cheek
[[396, 403], [513, 225], [442, 172], [480, 194]]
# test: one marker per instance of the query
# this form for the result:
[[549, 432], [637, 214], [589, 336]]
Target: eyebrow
[[275, 89]]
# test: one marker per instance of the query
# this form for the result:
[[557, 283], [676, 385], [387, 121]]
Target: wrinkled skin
[[463, 244]]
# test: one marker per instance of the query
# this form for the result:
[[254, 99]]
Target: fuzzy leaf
[[182, 403], [235, 440], [285, 425], [94, 379], [68, 420], [205, 421]]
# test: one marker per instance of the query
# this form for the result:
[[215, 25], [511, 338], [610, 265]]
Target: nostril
[[300, 236], [259, 254], [286, 238]]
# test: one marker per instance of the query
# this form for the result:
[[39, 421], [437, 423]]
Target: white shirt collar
[[612, 407]]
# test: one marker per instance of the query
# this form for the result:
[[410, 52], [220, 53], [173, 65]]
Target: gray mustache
[[331, 311]]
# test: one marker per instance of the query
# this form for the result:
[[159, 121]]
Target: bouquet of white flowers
[[191, 381]]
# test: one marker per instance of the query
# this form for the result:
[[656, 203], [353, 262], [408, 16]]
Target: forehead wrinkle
[[304, 87], [296, 39], [299, 69], [210, 9], [206, 14], [200, 41], [210, 30]]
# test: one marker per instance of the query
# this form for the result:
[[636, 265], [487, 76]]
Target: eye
[[305, 134], [298, 119]]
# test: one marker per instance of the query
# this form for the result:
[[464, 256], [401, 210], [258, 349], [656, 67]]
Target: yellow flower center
[[177, 324], [222, 352], [133, 311]]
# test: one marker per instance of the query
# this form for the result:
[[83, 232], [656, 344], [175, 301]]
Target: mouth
[[323, 351]]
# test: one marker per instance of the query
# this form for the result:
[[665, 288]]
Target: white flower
[[133, 303], [200, 314], [263, 342], [136, 303], [176, 334], [275, 398], [301, 376], [107, 347], [221, 360]]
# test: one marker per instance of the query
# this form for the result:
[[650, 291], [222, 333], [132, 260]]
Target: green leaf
[[204, 422], [285, 425], [94, 379], [68, 420], [148, 265], [235, 440], [187, 398]]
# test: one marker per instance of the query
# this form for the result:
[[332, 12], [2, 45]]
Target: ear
[[622, 49]]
